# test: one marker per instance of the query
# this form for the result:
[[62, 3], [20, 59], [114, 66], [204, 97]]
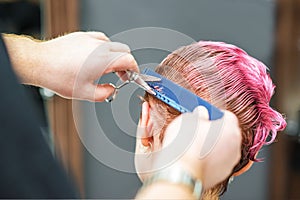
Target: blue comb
[[178, 97]]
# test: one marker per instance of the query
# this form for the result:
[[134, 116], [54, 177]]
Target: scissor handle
[[113, 95], [134, 78]]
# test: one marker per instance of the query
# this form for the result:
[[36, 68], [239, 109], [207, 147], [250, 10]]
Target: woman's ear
[[244, 169], [145, 124]]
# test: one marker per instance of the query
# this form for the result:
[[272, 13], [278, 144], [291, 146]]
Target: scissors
[[134, 77]]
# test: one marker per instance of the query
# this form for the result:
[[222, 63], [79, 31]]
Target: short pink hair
[[247, 79], [229, 78]]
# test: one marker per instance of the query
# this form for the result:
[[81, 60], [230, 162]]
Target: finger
[[122, 62], [231, 116], [201, 112], [119, 47], [123, 75], [98, 35], [103, 91]]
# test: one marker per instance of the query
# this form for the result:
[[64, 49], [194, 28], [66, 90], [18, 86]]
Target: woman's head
[[228, 78]]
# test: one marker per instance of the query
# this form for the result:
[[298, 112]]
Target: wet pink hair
[[247, 81], [229, 78]]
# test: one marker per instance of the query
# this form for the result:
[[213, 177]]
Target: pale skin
[[211, 169], [71, 64], [77, 59]]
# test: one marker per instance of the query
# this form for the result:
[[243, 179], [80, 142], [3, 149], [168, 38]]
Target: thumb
[[103, 91], [201, 112]]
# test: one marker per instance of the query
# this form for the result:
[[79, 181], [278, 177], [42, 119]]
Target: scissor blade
[[148, 78], [140, 82]]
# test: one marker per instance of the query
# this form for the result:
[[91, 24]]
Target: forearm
[[165, 190], [23, 52]]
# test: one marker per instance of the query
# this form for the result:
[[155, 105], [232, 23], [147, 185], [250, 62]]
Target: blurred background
[[267, 29]]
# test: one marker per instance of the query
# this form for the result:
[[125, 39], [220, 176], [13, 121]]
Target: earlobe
[[244, 169]]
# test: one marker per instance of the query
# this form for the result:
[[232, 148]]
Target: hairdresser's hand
[[71, 64], [214, 146]]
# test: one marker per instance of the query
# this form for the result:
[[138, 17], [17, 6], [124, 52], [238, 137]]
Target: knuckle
[[125, 46], [101, 33]]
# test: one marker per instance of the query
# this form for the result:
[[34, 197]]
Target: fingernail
[[202, 112]]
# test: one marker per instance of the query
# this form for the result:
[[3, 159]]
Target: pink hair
[[229, 78], [248, 81]]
